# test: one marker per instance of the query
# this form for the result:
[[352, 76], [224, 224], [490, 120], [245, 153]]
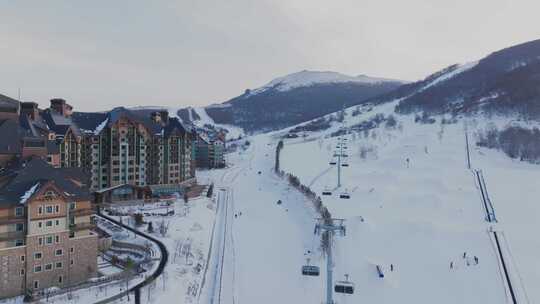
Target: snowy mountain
[[506, 82], [297, 97], [309, 78]]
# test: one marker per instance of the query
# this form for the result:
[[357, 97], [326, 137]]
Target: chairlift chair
[[310, 270], [344, 164], [345, 195], [346, 287], [326, 191]]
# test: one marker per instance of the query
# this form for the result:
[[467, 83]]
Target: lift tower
[[328, 227]]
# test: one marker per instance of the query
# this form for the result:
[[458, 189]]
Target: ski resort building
[[46, 231], [115, 148], [210, 150], [123, 147]]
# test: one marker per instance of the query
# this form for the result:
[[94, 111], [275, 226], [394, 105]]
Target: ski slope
[[424, 215], [269, 241]]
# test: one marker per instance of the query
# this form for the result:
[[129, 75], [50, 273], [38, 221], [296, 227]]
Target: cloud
[[98, 54]]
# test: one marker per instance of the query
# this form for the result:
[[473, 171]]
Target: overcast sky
[[101, 54]]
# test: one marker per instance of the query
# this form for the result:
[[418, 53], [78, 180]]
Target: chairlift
[[344, 164], [345, 195], [332, 162], [345, 287], [310, 270], [326, 191]]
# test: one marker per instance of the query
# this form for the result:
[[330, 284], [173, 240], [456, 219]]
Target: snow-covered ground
[[234, 131], [423, 214], [187, 241], [268, 242]]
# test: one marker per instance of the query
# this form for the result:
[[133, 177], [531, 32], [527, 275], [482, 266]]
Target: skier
[[391, 267], [475, 260], [464, 254], [452, 265]]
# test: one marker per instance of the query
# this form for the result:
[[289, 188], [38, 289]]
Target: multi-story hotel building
[[123, 147], [46, 236]]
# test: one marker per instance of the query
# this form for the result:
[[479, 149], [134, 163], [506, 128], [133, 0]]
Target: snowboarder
[[464, 254], [452, 265], [408, 161], [391, 267], [475, 260]]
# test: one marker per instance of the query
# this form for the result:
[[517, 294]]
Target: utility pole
[[328, 227], [340, 143], [467, 146]]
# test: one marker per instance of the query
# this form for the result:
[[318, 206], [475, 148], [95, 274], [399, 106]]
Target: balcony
[[12, 219], [82, 226], [81, 212], [9, 236]]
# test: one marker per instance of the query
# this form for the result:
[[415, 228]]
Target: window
[[57, 238], [37, 268], [39, 224], [57, 223], [36, 284], [38, 255], [72, 206], [59, 265], [40, 210], [48, 267], [59, 252], [60, 279], [48, 223], [22, 272], [71, 234], [49, 240], [22, 258], [19, 242], [57, 209], [49, 209], [71, 262], [19, 227], [19, 211], [40, 241], [72, 250]]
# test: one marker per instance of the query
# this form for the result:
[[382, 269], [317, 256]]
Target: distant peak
[[306, 78]]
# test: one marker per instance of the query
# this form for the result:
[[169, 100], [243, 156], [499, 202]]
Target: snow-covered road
[[265, 243]]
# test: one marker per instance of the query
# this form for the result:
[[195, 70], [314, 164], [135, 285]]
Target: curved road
[[159, 270]]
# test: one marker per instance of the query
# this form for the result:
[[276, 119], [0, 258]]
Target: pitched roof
[[59, 123], [23, 176], [11, 144], [95, 122], [9, 103]]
